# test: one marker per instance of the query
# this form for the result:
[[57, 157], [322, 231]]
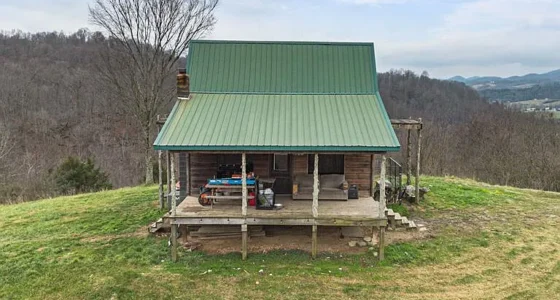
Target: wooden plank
[[230, 198], [277, 222], [233, 187]]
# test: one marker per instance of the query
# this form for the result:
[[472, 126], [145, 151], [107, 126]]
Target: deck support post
[[173, 189], [314, 241], [174, 229], [381, 243], [243, 184], [244, 237], [160, 178], [408, 158], [168, 164], [382, 200], [417, 183]]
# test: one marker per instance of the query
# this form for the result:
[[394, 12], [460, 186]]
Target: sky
[[443, 37]]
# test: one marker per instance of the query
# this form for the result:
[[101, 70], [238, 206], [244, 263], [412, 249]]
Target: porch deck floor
[[362, 208]]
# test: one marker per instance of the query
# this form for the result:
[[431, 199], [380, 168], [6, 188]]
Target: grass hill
[[484, 241]]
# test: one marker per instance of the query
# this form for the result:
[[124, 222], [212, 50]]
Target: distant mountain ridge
[[515, 88], [494, 82]]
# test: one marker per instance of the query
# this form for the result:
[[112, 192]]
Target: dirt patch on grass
[[330, 240], [140, 233]]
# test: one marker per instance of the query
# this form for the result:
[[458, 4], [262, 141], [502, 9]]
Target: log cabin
[[304, 120]]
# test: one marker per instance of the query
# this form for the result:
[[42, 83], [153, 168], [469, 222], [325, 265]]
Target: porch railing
[[394, 176]]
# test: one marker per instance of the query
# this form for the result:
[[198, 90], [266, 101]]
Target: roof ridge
[[283, 42]]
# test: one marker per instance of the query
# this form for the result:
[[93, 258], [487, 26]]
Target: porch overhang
[[278, 123]]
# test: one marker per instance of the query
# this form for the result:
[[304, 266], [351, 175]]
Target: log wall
[[357, 170], [299, 164], [204, 167]]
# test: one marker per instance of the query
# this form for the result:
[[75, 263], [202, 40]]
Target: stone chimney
[[183, 84]]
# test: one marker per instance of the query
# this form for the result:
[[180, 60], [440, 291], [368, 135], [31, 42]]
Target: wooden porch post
[[417, 183], [160, 175], [382, 200], [244, 235], [382, 205], [168, 164], [408, 158], [174, 227], [160, 178], [372, 174], [315, 207], [243, 185], [173, 189]]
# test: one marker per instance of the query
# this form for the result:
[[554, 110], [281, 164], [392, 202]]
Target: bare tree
[[146, 38], [5, 143]]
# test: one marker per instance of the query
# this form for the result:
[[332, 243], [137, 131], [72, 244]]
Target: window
[[280, 162], [328, 163]]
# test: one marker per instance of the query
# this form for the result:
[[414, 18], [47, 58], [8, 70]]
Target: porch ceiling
[[278, 123]]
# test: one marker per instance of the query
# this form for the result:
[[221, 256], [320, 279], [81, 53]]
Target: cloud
[[494, 37], [376, 2]]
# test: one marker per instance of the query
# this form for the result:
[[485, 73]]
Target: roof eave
[[278, 148]]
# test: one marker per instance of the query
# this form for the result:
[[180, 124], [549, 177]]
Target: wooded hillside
[[52, 106]]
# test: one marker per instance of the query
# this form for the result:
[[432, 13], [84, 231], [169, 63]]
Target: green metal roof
[[241, 122], [281, 67], [280, 96]]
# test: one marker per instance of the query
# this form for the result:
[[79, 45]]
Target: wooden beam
[[382, 200], [244, 184], [417, 183], [381, 243], [168, 164], [372, 177], [286, 221], [244, 237], [314, 241], [160, 179], [408, 158], [188, 181], [173, 189], [315, 207], [174, 229]]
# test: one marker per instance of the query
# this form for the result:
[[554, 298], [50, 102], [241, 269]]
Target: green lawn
[[485, 241]]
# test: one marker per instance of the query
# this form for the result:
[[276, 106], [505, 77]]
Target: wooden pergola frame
[[409, 125]]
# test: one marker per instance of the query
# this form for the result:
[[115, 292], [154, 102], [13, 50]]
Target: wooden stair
[[397, 221], [156, 226]]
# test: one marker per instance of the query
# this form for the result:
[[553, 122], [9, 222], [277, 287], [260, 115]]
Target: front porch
[[359, 212]]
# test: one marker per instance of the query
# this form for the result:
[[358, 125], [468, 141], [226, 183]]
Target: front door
[[281, 171]]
